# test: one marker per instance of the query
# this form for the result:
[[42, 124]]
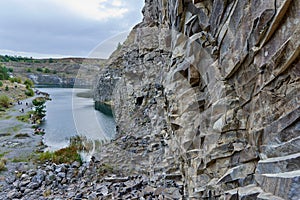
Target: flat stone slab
[[285, 185], [279, 164]]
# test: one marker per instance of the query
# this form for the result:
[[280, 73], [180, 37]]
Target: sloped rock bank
[[207, 92], [89, 181]]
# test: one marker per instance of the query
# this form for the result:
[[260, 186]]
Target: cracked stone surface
[[207, 93]]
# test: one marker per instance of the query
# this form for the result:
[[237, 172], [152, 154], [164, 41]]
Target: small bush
[[28, 83], [65, 155], [39, 69], [28, 70], [3, 164], [40, 108], [22, 135], [22, 118], [6, 88], [15, 79], [1, 84], [26, 117], [18, 80], [46, 156], [29, 92], [3, 72], [46, 70], [4, 101]]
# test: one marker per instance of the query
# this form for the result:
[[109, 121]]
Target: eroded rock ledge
[[207, 93]]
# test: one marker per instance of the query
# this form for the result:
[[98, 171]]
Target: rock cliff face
[[64, 72], [206, 94]]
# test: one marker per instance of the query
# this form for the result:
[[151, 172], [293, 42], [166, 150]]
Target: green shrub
[[4, 101], [40, 108], [22, 135], [3, 73], [1, 84], [15, 79], [3, 164], [28, 83], [18, 80], [37, 61], [28, 70], [6, 88], [39, 69], [65, 155], [29, 92], [26, 117], [46, 70]]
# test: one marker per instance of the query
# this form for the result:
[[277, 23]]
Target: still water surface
[[68, 115]]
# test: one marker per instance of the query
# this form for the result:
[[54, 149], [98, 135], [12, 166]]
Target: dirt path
[[17, 140]]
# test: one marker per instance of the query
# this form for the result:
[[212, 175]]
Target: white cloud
[[117, 3], [63, 27], [95, 9]]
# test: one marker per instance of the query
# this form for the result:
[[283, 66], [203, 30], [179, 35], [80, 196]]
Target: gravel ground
[[17, 140]]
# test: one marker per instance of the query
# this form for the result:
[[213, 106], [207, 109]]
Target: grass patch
[[21, 158], [22, 135], [4, 101], [64, 155], [15, 128], [34, 126], [39, 133], [47, 193], [26, 117], [3, 154], [5, 134], [8, 117], [22, 118], [104, 169], [3, 164], [3, 161]]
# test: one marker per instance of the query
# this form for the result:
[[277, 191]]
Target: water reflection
[[69, 115]]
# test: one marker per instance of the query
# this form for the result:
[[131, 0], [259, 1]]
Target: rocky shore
[[91, 181], [206, 102]]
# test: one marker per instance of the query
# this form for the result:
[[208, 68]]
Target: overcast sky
[[57, 28]]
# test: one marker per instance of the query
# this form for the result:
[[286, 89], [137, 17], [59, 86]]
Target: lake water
[[68, 115]]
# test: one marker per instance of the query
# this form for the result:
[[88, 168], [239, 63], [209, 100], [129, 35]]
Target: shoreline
[[19, 142], [96, 179]]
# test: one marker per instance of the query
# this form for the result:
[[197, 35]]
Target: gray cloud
[[48, 28]]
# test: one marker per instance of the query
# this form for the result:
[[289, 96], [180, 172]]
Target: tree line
[[7, 58]]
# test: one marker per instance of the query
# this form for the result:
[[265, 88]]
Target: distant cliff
[[55, 72], [207, 94]]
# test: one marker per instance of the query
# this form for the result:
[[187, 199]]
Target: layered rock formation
[[64, 72], [206, 93]]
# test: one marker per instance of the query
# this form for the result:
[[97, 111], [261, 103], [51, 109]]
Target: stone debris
[[49, 182]]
